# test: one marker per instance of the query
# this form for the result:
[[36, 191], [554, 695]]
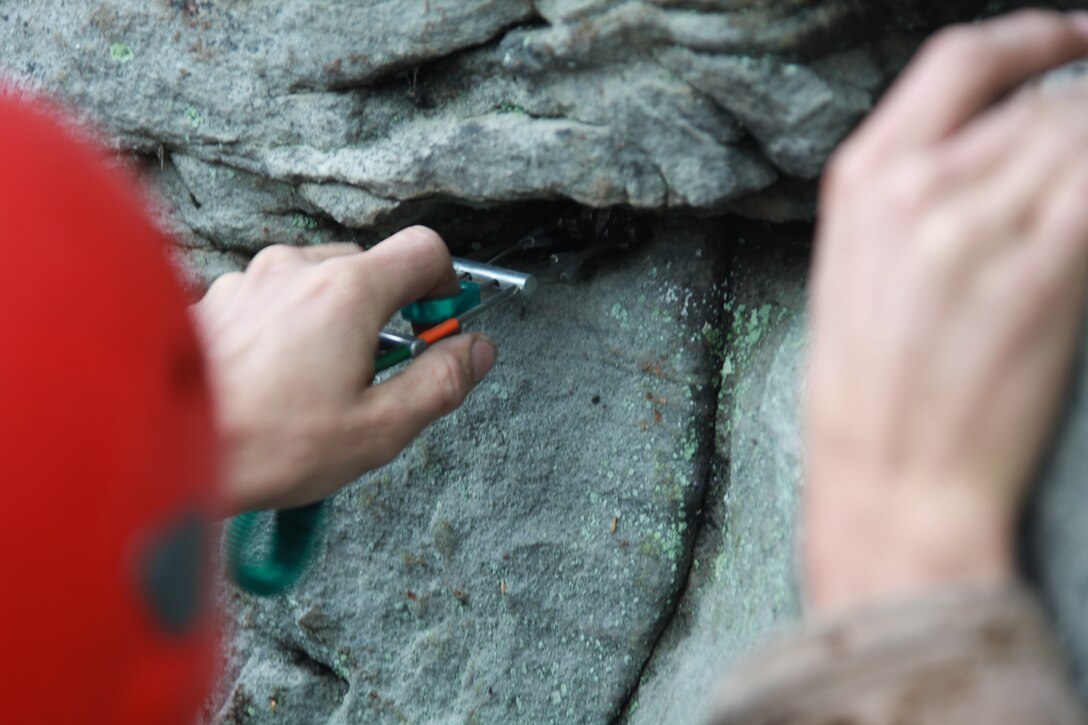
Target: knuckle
[[273, 257], [382, 429], [336, 276], [846, 171], [357, 283], [907, 190], [944, 239], [985, 42], [428, 252], [349, 247], [335, 287], [225, 282], [220, 291], [902, 189], [448, 385], [430, 244], [1028, 107], [955, 42], [424, 236]]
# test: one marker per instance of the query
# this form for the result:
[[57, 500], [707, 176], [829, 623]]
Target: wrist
[[876, 539]]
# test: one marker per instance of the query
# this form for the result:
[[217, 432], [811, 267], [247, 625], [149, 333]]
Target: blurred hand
[[291, 344], [946, 298]]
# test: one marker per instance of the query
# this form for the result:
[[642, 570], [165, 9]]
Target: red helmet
[[107, 450]]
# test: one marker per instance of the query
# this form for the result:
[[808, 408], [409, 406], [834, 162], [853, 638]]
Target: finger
[[1048, 271], [1059, 257], [222, 290], [977, 148], [989, 139], [433, 385], [966, 68], [1022, 183], [412, 264], [321, 252], [993, 214], [275, 258]]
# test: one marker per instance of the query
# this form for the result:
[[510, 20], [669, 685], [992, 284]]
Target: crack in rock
[[513, 563], [478, 101], [707, 397]]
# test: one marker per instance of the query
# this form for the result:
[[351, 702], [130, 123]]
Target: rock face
[[741, 587], [519, 561], [297, 122], [607, 525], [1054, 541], [404, 619]]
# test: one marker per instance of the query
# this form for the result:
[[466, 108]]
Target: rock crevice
[[608, 524], [362, 115]]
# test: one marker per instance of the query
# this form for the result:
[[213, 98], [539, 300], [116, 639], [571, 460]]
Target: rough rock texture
[[1055, 541], [296, 121], [741, 586], [517, 563], [479, 579]]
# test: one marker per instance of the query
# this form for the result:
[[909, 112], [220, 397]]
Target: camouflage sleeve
[[970, 658]]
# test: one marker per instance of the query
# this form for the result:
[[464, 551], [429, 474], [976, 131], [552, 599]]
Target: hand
[[291, 343], [946, 297]]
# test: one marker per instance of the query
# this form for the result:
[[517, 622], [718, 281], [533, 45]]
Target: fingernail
[[483, 357]]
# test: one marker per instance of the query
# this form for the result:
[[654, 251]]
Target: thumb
[[433, 385]]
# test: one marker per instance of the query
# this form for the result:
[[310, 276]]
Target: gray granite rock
[[296, 121], [741, 586], [795, 113], [1056, 541], [518, 561]]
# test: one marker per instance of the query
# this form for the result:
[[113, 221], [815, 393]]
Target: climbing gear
[[482, 287], [428, 313], [294, 532], [561, 249], [291, 544]]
